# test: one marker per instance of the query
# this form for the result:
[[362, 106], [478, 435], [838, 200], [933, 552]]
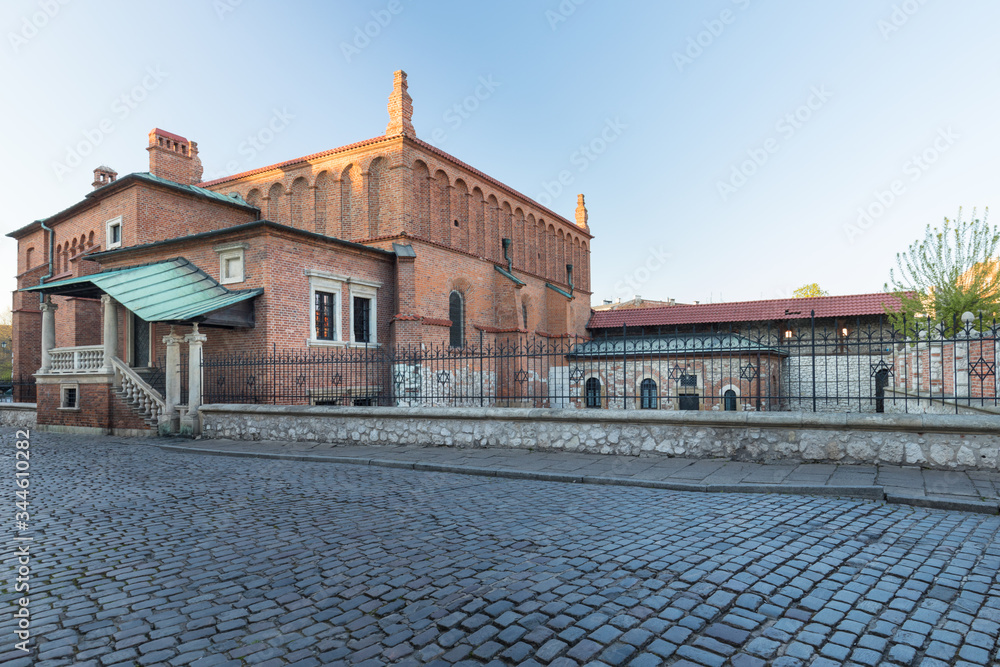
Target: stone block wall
[[17, 415], [933, 441], [837, 377]]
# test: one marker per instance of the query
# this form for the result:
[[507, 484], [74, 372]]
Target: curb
[[876, 493]]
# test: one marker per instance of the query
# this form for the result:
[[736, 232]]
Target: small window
[[729, 400], [362, 319], [524, 314], [363, 312], [456, 313], [232, 262], [326, 314], [592, 392], [647, 393], [689, 380], [69, 398], [114, 232], [232, 269]]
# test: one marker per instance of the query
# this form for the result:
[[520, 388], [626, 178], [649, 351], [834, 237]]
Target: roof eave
[[267, 224]]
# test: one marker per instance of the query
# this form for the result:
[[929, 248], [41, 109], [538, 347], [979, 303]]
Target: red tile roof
[[746, 311]]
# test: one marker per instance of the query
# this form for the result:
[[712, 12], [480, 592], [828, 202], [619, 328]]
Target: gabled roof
[[229, 231], [746, 311], [174, 290]]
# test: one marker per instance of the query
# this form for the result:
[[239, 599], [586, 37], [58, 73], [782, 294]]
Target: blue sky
[[725, 147]]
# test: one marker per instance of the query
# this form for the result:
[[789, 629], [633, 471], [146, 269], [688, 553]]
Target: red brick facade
[[99, 408], [327, 222]]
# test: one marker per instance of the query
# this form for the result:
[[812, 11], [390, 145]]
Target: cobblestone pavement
[[973, 490], [149, 557]]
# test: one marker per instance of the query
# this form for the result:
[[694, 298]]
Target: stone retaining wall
[[954, 442], [17, 415]]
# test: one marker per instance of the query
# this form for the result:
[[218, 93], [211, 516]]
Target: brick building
[[388, 241], [837, 353]]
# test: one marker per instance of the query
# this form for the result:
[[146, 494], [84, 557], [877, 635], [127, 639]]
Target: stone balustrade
[[77, 360]]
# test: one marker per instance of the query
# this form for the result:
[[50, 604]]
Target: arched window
[[456, 313], [729, 400], [593, 393], [647, 394]]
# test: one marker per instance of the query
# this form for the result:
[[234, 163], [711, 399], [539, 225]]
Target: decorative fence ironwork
[[858, 365], [18, 389]]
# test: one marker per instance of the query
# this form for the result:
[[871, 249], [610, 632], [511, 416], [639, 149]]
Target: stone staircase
[[136, 391]]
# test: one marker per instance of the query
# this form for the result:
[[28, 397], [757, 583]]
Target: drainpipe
[[52, 240]]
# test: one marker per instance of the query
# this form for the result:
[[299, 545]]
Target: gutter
[[52, 239]]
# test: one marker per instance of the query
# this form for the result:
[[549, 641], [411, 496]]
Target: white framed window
[[363, 309], [325, 308], [113, 233], [232, 258], [731, 398], [69, 397]]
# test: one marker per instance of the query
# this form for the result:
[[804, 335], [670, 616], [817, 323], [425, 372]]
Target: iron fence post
[[812, 316]]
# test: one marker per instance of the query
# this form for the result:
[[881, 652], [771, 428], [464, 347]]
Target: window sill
[[326, 343], [68, 409], [362, 346]]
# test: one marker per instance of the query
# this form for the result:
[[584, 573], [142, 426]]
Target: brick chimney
[[174, 158], [400, 108], [581, 213], [103, 176]]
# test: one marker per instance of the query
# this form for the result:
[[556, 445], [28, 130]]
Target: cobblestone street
[[148, 557]]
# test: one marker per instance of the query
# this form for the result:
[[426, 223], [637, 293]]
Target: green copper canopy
[[174, 290]]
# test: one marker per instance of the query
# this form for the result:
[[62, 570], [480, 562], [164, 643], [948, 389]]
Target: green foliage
[[810, 290], [951, 271]]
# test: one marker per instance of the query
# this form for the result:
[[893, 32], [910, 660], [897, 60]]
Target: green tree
[[951, 271], [810, 290]]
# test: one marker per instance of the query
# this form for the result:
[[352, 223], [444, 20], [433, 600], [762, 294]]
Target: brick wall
[[100, 407], [389, 186]]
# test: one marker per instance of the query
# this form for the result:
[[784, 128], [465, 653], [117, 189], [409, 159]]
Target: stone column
[[173, 380], [190, 424], [48, 333], [110, 332]]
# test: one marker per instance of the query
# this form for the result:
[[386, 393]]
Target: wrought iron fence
[[156, 375], [832, 365], [18, 389]]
